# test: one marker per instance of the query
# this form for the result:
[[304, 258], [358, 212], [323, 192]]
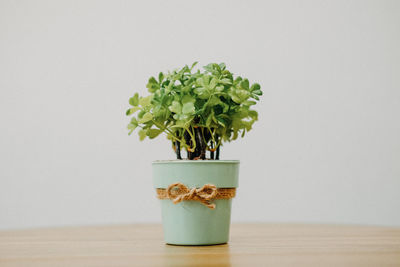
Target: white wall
[[326, 148]]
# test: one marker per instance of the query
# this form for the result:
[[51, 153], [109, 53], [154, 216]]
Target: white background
[[325, 150]]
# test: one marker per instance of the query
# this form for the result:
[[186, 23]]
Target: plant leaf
[[194, 64], [134, 100], [160, 77], [145, 101], [245, 84], [176, 107], [249, 103], [257, 92], [188, 108], [255, 86], [142, 135], [132, 110], [226, 81], [146, 117], [152, 85], [188, 99], [153, 133]]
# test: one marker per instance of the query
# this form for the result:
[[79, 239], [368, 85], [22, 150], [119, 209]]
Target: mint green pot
[[191, 222]]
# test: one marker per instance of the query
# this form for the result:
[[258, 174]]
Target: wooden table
[[250, 245]]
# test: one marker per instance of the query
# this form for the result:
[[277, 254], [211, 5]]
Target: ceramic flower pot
[[193, 222]]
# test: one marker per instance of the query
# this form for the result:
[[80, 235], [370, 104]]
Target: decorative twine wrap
[[178, 192]]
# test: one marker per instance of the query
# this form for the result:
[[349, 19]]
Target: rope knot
[[179, 192]]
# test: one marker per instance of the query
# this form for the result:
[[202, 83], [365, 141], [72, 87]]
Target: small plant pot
[[191, 222]]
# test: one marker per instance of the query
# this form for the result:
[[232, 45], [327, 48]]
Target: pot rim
[[182, 161]]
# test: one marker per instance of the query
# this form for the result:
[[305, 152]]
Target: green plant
[[198, 111]]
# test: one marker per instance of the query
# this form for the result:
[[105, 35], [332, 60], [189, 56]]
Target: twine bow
[[179, 192]]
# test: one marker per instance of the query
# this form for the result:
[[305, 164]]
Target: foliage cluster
[[198, 110]]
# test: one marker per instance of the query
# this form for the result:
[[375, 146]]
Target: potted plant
[[198, 111]]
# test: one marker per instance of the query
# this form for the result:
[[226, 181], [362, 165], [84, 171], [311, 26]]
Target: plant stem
[[217, 154], [212, 150], [168, 131], [188, 141], [202, 148], [193, 139], [178, 149], [212, 134]]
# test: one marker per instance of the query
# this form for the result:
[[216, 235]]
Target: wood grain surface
[[250, 245]]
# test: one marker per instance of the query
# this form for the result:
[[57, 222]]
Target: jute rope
[[178, 192]]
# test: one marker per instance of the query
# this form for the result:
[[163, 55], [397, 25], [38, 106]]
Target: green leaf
[[153, 133], [202, 93], [134, 121], [188, 108], [235, 98], [225, 107], [222, 121], [132, 110], [213, 83], [238, 79], [247, 125], [146, 117], [235, 135], [160, 77], [188, 99], [249, 103], [255, 86], [140, 114], [257, 92], [205, 80], [209, 120], [142, 135], [145, 101], [194, 64], [152, 85], [226, 81], [132, 126], [214, 100], [134, 100], [253, 114], [219, 88], [176, 107], [209, 67], [245, 84], [199, 90]]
